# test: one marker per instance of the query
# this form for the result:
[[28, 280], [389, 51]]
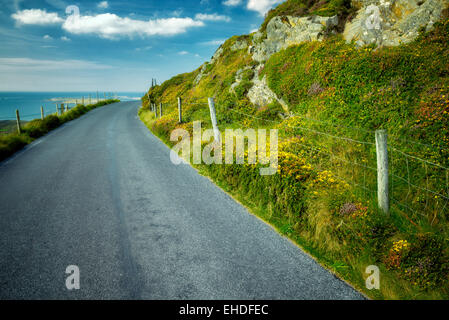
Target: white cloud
[[183, 53], [261, 6], [111, 26], [213, 42], [28, 64], [64, 38], [211, 17], [232, 3], [36, 17], [47, 37], [144, 48], [103, 5]]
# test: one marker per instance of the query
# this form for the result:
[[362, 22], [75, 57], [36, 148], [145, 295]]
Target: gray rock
[[260, 94], [393, 22], [239, 45], [283, 32]]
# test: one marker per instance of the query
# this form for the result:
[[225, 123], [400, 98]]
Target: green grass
[[336, 88], [31, 130]]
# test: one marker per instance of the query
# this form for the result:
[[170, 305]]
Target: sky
[[116, 45]]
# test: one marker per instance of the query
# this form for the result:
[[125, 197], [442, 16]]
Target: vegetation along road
[[101, 193]]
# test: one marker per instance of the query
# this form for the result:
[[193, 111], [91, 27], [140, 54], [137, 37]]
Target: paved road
[[101, 193]]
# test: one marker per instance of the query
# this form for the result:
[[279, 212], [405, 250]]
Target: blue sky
[[116, 45]]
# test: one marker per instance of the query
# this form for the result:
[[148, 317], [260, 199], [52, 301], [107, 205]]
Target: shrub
[[51, 122]]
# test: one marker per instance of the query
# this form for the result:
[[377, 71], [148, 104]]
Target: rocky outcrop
[[238, 79], [285, 31], [239, 45], [203, 70], [260, 94], [201, 74], [392, 22]]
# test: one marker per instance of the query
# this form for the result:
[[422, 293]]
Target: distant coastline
[[29, 103]]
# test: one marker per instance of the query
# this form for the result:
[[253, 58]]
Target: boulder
[[390, 23], [284, 31]]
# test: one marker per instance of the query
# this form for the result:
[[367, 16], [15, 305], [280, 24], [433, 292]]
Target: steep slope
[[319, 74]]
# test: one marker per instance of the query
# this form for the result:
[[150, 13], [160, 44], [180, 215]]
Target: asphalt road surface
[[101, 193]]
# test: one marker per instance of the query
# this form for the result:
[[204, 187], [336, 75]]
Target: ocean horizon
[[29, 103]]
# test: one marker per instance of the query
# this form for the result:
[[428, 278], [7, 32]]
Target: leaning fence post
[[42, 112], [62, 108], [180, 109], [57, 109], [382, 170], [160, 110], [19, 129], [213, 118]]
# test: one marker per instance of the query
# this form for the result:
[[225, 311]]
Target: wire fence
[[44, 111], [417, 187]]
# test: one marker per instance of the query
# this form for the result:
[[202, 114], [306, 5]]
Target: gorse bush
[[316, 198]]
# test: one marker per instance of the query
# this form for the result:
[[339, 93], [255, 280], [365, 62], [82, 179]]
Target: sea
[[29, 103]]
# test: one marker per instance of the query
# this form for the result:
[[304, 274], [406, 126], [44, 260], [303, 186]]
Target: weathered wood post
[[97, 96], [57, 110], [155, 111], [42, 113], [62, 108], [382, 171], [213, 118], [82, 101], [160, 110], [19, 129], [180, 109]]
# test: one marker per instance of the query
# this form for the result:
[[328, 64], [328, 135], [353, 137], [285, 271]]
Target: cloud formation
[[111, 26], [36, 17], [28, 64], [232, 3], [211, 17], [103, 5], [261, 6]]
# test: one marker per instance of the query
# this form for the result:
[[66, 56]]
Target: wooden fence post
[[213, 118], [19, 129], [180, 109], [42, 113], [57, 110], [155, 111], [382, 171], [82, 101], [62, 108], [160, 110]]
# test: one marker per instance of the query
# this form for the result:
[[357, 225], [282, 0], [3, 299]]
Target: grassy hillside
[[324, 197]]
